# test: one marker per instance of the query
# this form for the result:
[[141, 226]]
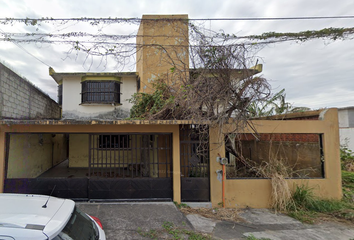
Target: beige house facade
[[20, 168]]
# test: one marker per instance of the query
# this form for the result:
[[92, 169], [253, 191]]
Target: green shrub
[[145, 104], [346, 158], [304, 199]]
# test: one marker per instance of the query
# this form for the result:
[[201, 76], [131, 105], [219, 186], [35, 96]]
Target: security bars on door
[[130, 155], [194, 151]]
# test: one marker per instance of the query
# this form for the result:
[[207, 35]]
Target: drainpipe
[[223, 185], [223, 162]]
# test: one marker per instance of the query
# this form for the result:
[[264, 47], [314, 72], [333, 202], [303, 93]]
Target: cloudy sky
[[315, 74]]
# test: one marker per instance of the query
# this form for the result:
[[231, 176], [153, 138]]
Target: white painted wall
[[128, 88], [343, 118], [346, 129], [72, 108], [347, 137]]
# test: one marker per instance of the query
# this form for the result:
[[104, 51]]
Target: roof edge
[[58, 77]]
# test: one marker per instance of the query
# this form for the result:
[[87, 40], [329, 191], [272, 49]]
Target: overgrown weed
[[306, 207], [347, 158]]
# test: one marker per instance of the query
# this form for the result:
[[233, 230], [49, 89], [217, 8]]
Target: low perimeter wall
[[255, 192]]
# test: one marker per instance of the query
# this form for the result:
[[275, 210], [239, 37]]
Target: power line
[[130, 44], [29, 20], [18, 45], [272, 18]]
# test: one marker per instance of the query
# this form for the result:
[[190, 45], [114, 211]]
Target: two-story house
[[111, 158]]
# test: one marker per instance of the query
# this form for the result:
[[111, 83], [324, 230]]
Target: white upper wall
[[343, 118], [346, 127], [73, 109]]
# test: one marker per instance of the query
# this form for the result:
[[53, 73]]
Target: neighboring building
[[346, 127], [99, 156], [20, 99]]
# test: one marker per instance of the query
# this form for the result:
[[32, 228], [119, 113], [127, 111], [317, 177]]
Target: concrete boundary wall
[[19, 99], [257, 192]]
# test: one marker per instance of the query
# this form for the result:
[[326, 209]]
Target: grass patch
[[308, 208], [169, 231], [348, 186], [153, 234], [251, 237], [181, 205]]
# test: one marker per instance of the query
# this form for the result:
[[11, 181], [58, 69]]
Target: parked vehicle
[[39, 217]]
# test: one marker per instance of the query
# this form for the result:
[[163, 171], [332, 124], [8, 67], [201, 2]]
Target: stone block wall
[[19, 99]]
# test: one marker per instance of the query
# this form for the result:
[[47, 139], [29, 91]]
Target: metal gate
[[120, 167], [130, 166], [195, 182], [73, 188]]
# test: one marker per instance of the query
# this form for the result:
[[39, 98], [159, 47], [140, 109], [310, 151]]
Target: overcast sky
[[315, 74]]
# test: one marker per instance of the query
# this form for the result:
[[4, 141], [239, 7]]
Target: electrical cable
[[18, 45], [178, 19]]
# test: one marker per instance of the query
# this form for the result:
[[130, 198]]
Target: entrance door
[[194, 145]]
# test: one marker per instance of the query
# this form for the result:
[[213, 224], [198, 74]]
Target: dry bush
[[277, 170]]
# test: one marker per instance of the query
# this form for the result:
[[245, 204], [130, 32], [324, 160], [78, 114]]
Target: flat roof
[[346, 108], [59, 76], [289, 116], [96, 122]]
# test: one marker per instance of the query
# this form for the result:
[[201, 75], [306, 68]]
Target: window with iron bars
[[105, 92], [114, 142]]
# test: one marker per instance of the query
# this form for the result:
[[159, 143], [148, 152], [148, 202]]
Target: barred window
[[114, 141], [100, 92]]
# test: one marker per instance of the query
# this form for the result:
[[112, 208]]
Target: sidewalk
[[262, 223], [125, 220]]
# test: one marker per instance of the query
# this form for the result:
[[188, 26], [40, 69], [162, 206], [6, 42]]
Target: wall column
[[332, 163], [2, 159], [176, 174], [217, 148]]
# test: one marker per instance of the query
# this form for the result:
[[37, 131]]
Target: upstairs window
[[104, 91]]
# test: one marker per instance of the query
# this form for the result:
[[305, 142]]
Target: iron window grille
[[105, 92], [114, 142]]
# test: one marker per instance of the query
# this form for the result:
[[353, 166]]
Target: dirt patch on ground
[[226, 214], [345, 217]]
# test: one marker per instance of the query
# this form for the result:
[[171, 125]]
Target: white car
[[39, 217]]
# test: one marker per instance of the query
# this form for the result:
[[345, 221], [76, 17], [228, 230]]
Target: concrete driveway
[[122, 220]]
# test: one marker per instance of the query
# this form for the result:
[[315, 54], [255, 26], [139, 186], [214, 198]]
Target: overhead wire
[[178, 19], [23, 49]]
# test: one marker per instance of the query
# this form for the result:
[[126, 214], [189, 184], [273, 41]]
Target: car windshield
[[79, 227]]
